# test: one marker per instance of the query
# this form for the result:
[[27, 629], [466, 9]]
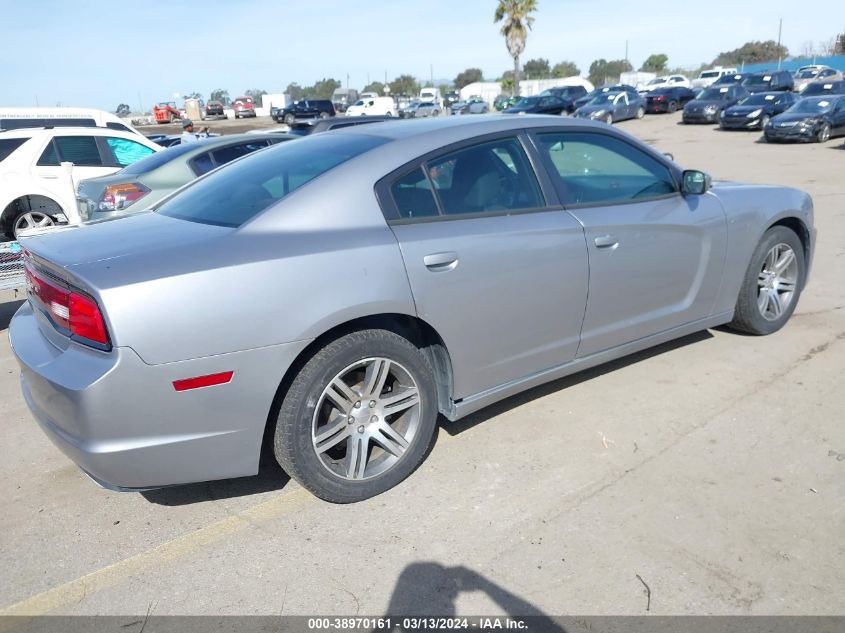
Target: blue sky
[[100, 53]]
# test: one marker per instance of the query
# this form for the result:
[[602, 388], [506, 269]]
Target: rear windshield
[[154, 161], [245, 188], [9, 145]]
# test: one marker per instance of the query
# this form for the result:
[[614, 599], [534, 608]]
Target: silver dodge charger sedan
[[342, 290]]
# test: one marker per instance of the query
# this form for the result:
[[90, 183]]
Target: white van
[[431, 95], [374, 105], [16, 118], [709, 76]]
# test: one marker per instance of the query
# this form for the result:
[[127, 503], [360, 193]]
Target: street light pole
[[780, 29]]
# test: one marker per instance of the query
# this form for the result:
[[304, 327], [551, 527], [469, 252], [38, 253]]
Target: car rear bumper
[[123, 423]]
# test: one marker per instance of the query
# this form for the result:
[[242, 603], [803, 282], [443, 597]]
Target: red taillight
[[660, 98], [203, 381], [117, 197], [72, 312]]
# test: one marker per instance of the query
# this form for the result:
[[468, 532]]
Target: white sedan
[[667, 81]]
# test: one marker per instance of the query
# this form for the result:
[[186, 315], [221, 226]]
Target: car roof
[[30, 132]]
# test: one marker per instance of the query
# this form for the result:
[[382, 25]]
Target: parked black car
[[582, 101], [539, 105], [727, 80], [809, 119], [824, 88], [214, 109], [305, 127], [569, 94], [668, 99], [754, 111], [304, 109], [708, 105], [778, 80]]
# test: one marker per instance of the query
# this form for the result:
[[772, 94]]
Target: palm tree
[[517, 22]]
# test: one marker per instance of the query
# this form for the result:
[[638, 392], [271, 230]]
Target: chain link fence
[[11, 266]]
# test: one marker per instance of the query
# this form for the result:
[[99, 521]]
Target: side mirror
[[695, 183]]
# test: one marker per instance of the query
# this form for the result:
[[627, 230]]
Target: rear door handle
[[606, 241], [436, 262], [50, 176]]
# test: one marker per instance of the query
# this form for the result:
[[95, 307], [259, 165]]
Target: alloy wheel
[[32, 220], [777, 281], [824, 133], [366, 418]]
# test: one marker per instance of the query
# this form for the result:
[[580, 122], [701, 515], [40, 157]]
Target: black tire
[[608, 119], [672, 107], [289, 119], [640, 112], [747, 315], [293, 435], [764, 121], [324, 115]]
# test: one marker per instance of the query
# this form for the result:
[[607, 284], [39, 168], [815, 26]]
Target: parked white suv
[[667, 81], [710, 76], [40, 168]]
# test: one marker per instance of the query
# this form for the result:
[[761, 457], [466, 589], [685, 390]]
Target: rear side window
[[9, 145], [238, 193], [228, 154], [413, 196], [125, 152], [202, 164], [79, 150]]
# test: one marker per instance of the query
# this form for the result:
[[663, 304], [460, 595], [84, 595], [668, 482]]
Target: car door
[[837, 117], [496, 271], [81, 150], [621, 107], [655, 256]]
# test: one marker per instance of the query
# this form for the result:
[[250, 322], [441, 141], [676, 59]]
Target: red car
[[243, 107], [166, 112]]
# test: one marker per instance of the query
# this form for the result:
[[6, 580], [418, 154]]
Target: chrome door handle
[[50, 176], [441, 261], [606, 241]]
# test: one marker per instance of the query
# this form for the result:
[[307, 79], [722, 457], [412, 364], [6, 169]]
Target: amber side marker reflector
[[203, 381]]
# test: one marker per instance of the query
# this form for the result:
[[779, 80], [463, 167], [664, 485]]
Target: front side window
[[125, 152], [600, 169]]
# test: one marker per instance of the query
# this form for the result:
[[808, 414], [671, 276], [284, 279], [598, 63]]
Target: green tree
[[656, 63], [469, 76], [220, 95], [752, 53], [516, 19], [193, 95], [324, 89], [839, 49], [122, 110], [255, 93], [565, 69], [404, 85], [603, 71], [374, 86], [295, 91], [537, 68]]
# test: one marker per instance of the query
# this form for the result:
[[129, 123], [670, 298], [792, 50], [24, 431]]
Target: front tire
[[289, 119], [824, 134], [358, 418], [609, 119], [640, 112], [772, 283]]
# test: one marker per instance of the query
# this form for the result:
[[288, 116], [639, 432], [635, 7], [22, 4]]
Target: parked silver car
[[343, 290]]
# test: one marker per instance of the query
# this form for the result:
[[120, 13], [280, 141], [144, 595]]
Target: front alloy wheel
[[359, 416], [772, 283], [824, 133]]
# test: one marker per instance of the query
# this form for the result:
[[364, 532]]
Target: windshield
[[526, 102], [758, 99], [807, 74], [608, 97], [714, 94], [248, 186], [658, 80], [707, 74], [812, 106], [757, 82], [818, 89]]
